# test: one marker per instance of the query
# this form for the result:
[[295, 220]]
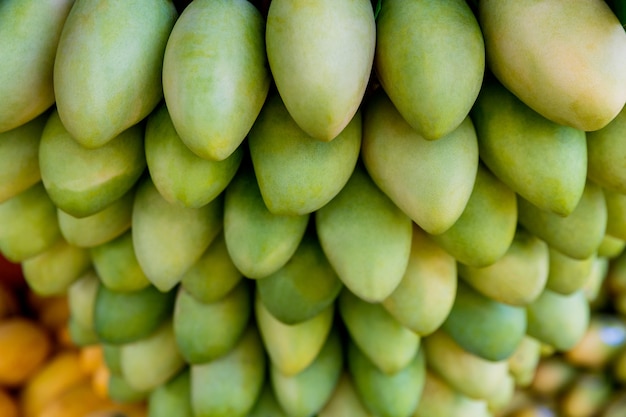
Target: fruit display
[[394, 208]]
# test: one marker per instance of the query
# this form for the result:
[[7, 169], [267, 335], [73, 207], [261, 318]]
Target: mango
[[605, 153], [566, 274], [266, 404], [81, 298], [616, 213], [344, 401], [24, 347], [524, 361], [120, 391], [172, 398]]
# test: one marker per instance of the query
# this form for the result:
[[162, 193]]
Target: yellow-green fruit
[[107, 69], [552, 376], [215, 75], [29, 34], [431, 181], [81, 336], [503, 396], [523, 362], [121, 392], [605, 153], [366, 238], [535, 49], [566, 274], [320, 55], [81, 299], [172, 398], [111, 357], [430, 59], [616, 213], [344, 401], [266, 404], [611, 247], [296, 173], [543, 161]]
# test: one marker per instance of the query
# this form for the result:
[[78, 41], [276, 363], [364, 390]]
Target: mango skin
[[606, 152]]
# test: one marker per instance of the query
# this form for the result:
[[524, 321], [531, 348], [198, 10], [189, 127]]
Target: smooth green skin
[[485, 327], [523, 362], [29, 224], [229, 386], [388, 344], [503, 396], [518, 277], [259, 242], [424, 297], [81, 336], [117, 266], [207, 331], [616, 213], [594, 284], [306, 393], [558, 320], [605, 153], [111, 356], [292, 348], [366, 238], [415, 43], [566, 274], [108, 65], [611, 247], [431, 181], [486, 229], [296, 173], [150, 362], [321, 55], [52, 271], [168, 239], [172, 398], [344, 401], [266, 404], [215, 75], [82, 181], [395, 395], [214, 275], [19, 157], [141, 313], [181, 176], [26, 61], [81, 298], [120, 391], [544, 162], [534, 48], [578, 235], [304, 287]]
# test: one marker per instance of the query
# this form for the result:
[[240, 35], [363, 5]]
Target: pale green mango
[[578, 235], [593, 288], [534, 48], [524, 361], [82, 181], [321, 55], [518, 277], [500, 400], [229, 386], [415, 45], [616, 213], [304, 287], [431, 181], [205, 331], [29, 35], [611, 247], [107, 69], [215, 75], [120, 391], [566, 274], [168, 239], [485, 327], [81, 298], [181, 176], [384, 340], [543, 161], [266, 404], [172, 398], [486, 228], [29, 224], [606, 153], [366, 238], [111, 357], [296, 173], [258, 241], [81, 336], [344, 401]]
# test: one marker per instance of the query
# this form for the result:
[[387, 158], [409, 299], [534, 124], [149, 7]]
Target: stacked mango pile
[[339, 207]]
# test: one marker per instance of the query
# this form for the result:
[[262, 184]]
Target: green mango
[[543, 161], [306, 393], [578, 235], [558, 320], [123, 317], [605, 154], [29, 224], [415, 43], [81, 336], [366, 238], [215, 75], [181, 176], [431, 181], [120, 391], [207, 331], [168, 239], [500, 400], [292, 347], [485, 327], [344, 401], [266, 404], [321, 55], [524, 361], [611, 247], [229, 386], [82, 181], [303, 287], [81, 298], [594, 286], [108, 65], [111, 354], [486, 228], [616, 213], [214, 275], [19, 157], [296, 173], [566, 274], [424, 297], [385, 341], [117, 266], [518, 277], [173, 398], [544, 65], [258, 241], [30, 32]]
